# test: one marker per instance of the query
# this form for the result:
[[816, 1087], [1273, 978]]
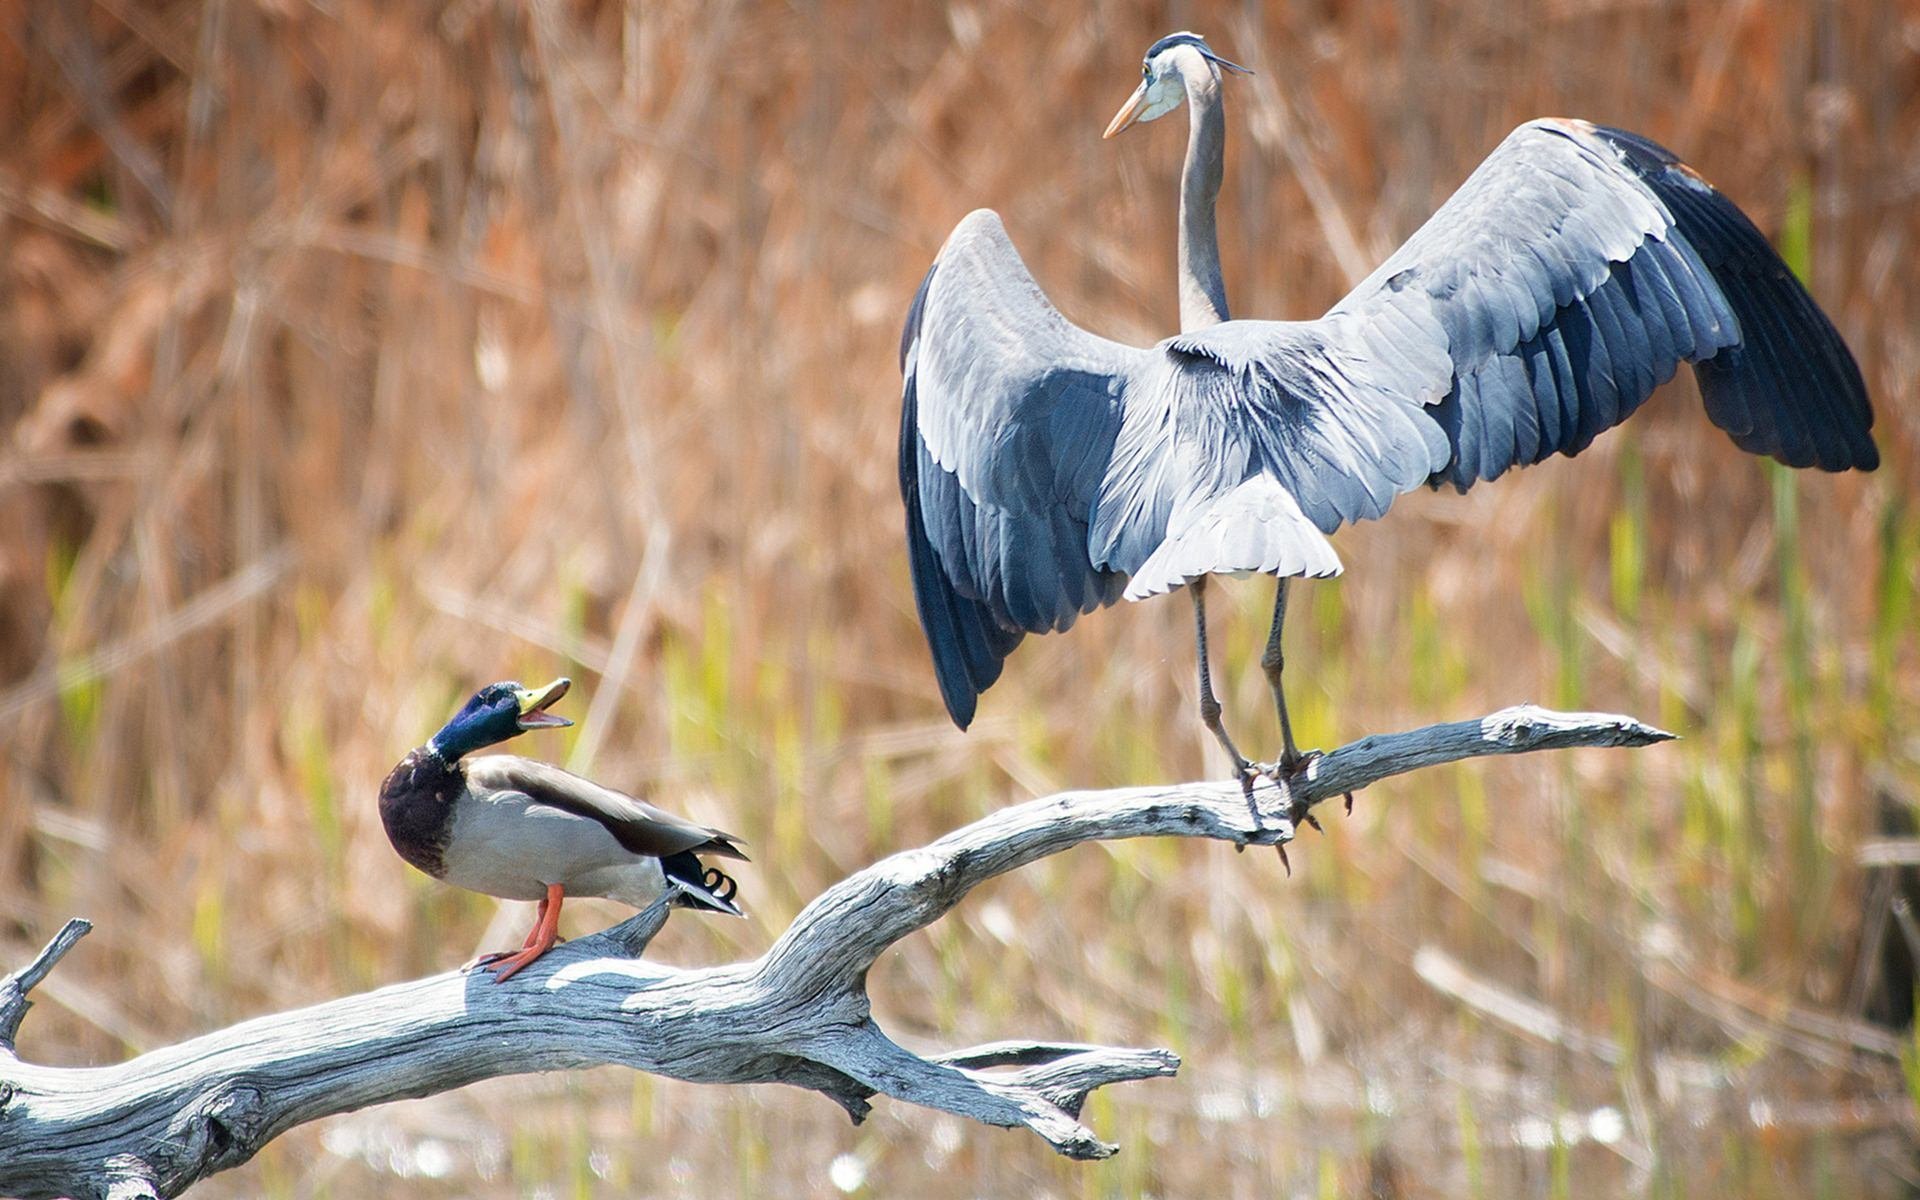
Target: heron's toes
[[1286, 775], [1296, 765], [1293, 769]]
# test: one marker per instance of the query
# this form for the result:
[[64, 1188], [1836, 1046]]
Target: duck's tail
[[700, 886]]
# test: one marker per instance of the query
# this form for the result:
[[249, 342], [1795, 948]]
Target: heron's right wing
[[1008, 422], [1566, 279]]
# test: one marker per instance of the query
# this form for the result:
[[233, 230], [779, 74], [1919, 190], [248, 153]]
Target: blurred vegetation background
[[358, 353]]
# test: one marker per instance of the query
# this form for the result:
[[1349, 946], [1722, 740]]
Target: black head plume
[[1198, 43]]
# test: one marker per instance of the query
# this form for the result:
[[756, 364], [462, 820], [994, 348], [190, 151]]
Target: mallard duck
[[524, 830]]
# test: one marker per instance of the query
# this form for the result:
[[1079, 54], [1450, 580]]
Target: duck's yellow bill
[[534, 703]]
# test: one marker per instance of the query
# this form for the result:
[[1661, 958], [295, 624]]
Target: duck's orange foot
[[506, 966], [546, 931]]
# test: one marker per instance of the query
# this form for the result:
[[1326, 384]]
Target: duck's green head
[[497, 712]]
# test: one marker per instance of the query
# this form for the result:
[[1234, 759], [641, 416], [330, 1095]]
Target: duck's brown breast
[[416, 807]]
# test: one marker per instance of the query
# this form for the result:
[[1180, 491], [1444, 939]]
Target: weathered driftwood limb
[[799, 1014]]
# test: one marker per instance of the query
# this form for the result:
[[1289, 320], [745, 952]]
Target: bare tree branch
[[798, 1015]]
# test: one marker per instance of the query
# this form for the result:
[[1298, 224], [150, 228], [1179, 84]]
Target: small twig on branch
[[14, 988], [798, 1015]]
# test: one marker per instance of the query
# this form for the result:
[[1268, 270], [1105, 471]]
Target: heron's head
[[497, 712], [1170, 63]]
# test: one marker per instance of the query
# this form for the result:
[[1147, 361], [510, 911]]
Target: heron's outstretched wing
[[1009, 414], [1567, 278]]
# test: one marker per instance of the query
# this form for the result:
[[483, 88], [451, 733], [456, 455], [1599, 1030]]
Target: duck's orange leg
[[539, 915], [546, 931]]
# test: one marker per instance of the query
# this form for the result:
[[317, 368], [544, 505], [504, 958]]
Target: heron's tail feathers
[[1255, 527]]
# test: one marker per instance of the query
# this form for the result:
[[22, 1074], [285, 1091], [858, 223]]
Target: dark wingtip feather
[[968, 646], [1792, 389]]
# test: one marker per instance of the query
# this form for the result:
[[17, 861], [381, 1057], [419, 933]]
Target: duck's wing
[[640, 827]]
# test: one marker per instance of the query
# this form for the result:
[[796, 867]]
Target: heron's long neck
[[1203, 293]]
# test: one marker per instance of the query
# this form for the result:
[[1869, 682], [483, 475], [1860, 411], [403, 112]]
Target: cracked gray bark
[[799, 1014]]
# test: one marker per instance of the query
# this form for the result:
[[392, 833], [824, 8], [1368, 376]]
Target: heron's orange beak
[[1129, 112]]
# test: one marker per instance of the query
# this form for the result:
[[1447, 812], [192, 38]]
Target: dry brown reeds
[[358, 353]]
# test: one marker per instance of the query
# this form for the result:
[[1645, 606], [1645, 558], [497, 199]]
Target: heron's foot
[[1250, 774], [1286, 775], [1283, 777], [1294, 766], [1295, 762]]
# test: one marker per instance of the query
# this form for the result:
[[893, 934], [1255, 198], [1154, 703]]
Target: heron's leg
[[1210, 707], [1274, 662]]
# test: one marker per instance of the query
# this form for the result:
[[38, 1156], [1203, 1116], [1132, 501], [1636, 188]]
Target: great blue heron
[[1048, 472]]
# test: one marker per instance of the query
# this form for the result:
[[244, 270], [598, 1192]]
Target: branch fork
[[799, 1014]]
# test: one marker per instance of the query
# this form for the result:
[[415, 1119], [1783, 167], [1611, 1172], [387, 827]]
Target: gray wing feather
[[637, 825], [1568, 278], [1008, 420], [1019, 408]]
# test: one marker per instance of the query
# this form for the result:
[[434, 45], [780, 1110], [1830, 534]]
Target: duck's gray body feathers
[[510, 827]]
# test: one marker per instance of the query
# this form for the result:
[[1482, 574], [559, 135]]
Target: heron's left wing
[[1009, 414]]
